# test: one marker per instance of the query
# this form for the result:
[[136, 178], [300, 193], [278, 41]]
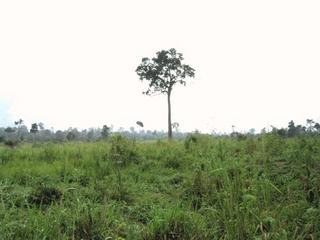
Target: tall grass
[[264, 187]]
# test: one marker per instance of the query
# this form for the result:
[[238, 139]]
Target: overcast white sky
[[72, 63]]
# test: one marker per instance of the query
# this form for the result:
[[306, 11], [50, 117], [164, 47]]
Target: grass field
[[261, 187]]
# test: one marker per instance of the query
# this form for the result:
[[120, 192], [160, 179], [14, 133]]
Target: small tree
[[19, 125], [71, 136], [162, 73], [291, 129], [34, 128], [41, 126], [59, 135], [10, 139], [105, 131]]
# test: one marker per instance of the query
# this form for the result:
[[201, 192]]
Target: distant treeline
[[311, 128], [37, 132]]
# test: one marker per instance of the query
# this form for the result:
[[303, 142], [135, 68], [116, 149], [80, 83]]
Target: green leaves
[[164, 71]]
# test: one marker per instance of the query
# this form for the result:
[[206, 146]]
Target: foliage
[[164, 71], [11, 143], [105, 131], [260, 187], [34, 128], [20, 133]]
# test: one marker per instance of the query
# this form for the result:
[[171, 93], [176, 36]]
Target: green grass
[[263, 187]]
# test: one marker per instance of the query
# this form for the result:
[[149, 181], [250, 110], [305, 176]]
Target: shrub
[[11, 143]]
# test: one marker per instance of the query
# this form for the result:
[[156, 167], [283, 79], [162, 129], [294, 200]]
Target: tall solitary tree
[[162, 73]]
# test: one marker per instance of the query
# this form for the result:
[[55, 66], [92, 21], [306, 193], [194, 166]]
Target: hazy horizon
[[72, 63]]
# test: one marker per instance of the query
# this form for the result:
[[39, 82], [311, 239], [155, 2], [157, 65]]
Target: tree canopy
[[164, 71]]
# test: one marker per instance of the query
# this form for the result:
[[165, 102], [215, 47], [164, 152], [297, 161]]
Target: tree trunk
[[169, 116]]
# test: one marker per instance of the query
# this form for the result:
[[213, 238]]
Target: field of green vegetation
[[258, 187]]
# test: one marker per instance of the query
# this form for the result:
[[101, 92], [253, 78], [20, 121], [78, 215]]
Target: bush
[[11, 143]]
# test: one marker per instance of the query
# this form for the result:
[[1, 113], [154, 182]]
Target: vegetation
[[162, 73], [12, 136], [21, 133], [263, 186]]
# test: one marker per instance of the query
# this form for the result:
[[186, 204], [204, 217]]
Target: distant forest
[[11, 136]]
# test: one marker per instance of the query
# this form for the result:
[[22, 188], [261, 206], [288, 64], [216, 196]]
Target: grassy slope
[[203, 188]]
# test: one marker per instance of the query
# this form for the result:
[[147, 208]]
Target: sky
[[72, 63]]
